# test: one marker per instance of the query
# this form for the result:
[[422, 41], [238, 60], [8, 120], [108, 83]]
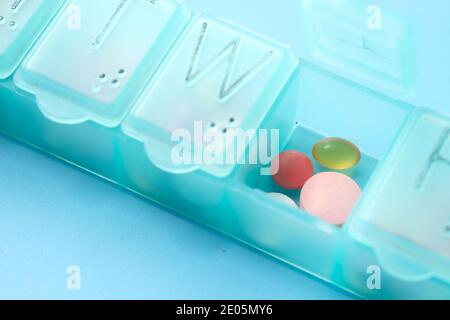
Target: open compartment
[[349, 111]]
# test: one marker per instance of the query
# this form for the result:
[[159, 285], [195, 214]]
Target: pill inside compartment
[[327, 106]]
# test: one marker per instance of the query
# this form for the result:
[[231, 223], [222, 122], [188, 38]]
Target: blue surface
[[53, 215]]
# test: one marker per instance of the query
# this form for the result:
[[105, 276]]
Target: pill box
[[109, 96]]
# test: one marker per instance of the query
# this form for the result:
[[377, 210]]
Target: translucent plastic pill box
[[105, 93]]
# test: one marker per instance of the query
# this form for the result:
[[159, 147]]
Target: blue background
[[53, 216]]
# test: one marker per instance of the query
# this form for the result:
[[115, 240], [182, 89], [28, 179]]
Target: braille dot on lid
[[115, 83], [102, 77], [13, 25], [336, 154], [447, 231], [121, 73]]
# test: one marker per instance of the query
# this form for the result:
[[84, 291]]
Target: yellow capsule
[[336, 154]]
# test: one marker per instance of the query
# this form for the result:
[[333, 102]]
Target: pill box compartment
[[391, 230]]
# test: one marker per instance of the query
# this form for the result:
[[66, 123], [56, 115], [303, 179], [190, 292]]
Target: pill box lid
[[371, 46], [403, 214], [21, 23], [95, 57], [362, 42]]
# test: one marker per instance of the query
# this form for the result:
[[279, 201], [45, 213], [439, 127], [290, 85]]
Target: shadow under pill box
[[111, 94]]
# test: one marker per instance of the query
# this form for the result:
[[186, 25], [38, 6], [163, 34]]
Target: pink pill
[[330, 196]]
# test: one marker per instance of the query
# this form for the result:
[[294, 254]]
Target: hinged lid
[[405, 211], [361, 42], [215, 88], [96, 57], [21, 22]]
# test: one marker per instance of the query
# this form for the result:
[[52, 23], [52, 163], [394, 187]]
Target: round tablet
[[336, 154], [291, 169], [330, 196], [284, 199]]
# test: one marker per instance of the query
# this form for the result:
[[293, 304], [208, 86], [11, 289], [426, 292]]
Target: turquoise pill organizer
[[87, 83]]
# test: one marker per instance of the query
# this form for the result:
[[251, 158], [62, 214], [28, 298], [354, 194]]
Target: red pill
[[291, 169]]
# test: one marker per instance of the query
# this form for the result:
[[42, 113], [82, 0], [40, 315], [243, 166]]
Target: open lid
[[404, 214], [21, 22], [95, 58], [362, 42]]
